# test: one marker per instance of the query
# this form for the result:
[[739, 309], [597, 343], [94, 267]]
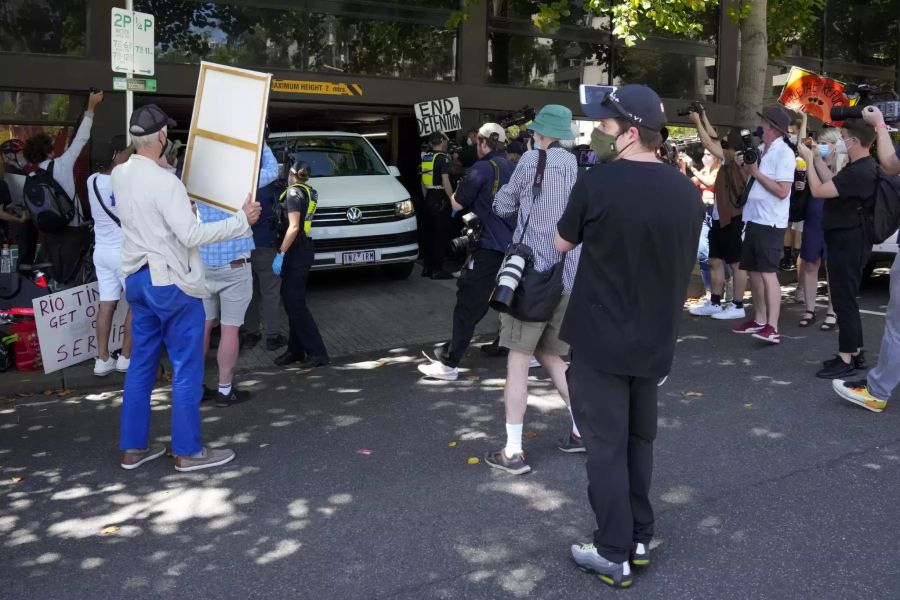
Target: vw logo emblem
[[354, 215]]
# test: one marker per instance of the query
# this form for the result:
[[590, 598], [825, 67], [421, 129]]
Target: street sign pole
[[129, 95]]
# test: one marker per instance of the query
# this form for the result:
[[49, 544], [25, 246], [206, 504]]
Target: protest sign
[[67, 326], [226, 136], [438, 115], [813, 94]]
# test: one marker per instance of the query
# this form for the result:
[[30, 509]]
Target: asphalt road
[[346, 486]]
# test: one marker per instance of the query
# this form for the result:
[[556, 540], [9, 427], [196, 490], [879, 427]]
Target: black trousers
[[616, 415], [304, 338], [435, 239], [473, 291], [848, 253]]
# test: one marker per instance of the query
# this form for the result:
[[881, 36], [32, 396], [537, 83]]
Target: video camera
[[868, 96], [526, 115], [471, 234], [692, 107]]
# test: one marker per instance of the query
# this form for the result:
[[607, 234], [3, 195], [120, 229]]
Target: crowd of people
[[544, 248]]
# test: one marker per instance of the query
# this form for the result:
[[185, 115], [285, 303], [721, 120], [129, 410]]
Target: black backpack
[[883, 219], [49, 204]]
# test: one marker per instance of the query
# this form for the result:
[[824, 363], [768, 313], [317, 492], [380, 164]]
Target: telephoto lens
[[518, 256]]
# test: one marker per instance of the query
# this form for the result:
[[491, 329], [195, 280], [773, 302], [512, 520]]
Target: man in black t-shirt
[[622, 333], [847, 196], [435, 239]]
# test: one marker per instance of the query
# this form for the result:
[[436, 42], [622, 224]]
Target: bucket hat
[[554, 121]]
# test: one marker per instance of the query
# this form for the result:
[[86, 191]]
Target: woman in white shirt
[[108, 259]]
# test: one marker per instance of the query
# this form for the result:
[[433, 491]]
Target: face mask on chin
[[793, 138]]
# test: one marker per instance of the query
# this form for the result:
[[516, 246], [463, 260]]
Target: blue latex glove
[[276, 264]]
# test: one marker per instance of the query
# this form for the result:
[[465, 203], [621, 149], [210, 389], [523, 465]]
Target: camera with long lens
[[868, 95], [751, 156], [521, 117], [692, 107], [518, 256], [471, 233]]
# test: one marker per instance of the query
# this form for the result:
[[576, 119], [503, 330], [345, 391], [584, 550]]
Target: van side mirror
[[394, 171]]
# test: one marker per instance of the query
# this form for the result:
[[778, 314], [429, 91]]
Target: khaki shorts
[[230, 291], [528, 338]]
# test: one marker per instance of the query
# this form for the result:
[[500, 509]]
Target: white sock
[[626, 568], [224, 388], [513, 440], [574, 426]]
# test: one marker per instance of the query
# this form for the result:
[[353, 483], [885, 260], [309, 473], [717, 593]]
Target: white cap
[[489, 129]]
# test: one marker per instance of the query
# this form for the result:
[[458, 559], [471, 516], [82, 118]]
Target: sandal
[[830, 323], [809, 317]]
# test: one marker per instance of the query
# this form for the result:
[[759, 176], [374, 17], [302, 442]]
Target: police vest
[[428, 170], [280, 209]]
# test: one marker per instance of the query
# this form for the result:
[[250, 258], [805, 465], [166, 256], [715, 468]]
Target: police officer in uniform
[[437, 220], [293, 220]]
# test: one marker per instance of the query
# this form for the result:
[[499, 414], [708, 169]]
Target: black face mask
[[164, 146]]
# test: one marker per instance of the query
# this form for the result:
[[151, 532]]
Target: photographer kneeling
[[488, 240], [538, 193]]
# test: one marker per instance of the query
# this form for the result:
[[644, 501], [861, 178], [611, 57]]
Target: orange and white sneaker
[[857, 392]]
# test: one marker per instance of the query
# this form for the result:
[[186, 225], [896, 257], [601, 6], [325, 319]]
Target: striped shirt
[[516, 196]]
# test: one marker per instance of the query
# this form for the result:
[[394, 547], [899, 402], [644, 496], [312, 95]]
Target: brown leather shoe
[[135, 458]]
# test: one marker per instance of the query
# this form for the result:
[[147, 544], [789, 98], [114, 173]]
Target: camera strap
[[535, 189]]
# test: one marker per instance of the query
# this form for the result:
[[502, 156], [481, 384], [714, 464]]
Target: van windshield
[[331, 156]]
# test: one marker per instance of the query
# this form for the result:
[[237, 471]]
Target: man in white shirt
[[108, 257], [164, 286], [66, 249], [766, 217]]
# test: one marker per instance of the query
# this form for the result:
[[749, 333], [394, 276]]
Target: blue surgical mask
[[824, 150]]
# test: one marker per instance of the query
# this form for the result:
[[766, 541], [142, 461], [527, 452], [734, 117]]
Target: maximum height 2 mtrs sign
[[132, 42]]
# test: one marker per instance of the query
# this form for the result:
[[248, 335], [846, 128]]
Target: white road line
[[863, 311]]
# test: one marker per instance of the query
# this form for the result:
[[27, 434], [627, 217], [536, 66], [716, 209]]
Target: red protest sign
[[813, 94]]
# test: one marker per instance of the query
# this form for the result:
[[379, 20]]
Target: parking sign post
[[132, 46]]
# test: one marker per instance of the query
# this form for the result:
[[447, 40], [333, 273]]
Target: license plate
[[359, 258]]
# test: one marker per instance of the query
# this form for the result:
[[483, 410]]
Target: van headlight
[[404, 208]]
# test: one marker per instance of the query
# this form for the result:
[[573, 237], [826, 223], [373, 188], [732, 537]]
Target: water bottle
[[14, 257], [5, 264]]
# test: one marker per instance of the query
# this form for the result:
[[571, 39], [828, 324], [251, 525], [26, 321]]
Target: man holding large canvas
[[164, 286]]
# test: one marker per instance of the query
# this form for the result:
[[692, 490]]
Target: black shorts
[[725, 242], [763, 248]]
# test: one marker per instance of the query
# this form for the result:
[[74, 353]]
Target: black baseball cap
[[638, 104], [436, 138], [148, 119]]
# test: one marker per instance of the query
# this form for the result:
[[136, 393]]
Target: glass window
[[311, 42], [332, 156], [862, 31], [545, 63], [44, 26], [526, 9], [35, 107], [671, 75]]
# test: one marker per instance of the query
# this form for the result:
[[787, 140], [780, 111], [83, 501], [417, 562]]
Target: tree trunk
[[754, 62]]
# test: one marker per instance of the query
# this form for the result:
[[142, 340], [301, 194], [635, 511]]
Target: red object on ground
[[27, 349]]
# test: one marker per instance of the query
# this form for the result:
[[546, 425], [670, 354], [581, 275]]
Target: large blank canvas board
[[226, 136]]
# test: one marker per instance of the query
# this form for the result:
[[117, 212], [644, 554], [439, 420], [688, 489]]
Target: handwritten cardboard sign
[[67, 326], [813, 94], [438, 115]]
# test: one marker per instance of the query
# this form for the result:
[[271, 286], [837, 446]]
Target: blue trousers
[[703, 253], [163, 315], [884, 378]]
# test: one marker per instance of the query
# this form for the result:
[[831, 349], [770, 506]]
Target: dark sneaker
[[275, 342], [133, 459], [515, 465], [749, 327], [640, 556], [572, 444], [441, 275], [315, 361], [859, 361], [768, 334], [588, 559], [427, 272], [235, 397], [836, 368], [287, 358], [208, 458], [251, 340], [858, 392], [495, 349]]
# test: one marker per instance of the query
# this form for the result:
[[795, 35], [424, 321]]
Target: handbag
[[539, 292]]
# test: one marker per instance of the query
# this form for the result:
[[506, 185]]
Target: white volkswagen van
[[365, 216]]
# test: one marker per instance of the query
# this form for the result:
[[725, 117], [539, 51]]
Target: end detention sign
[[438, 115]]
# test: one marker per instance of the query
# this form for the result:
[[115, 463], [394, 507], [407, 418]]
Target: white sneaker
[[706, 310], [103, 368], [534, 363], [438, 370], [730, 312], [122, 364]]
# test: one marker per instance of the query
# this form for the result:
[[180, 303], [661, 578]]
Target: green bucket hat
[[554, 121]]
